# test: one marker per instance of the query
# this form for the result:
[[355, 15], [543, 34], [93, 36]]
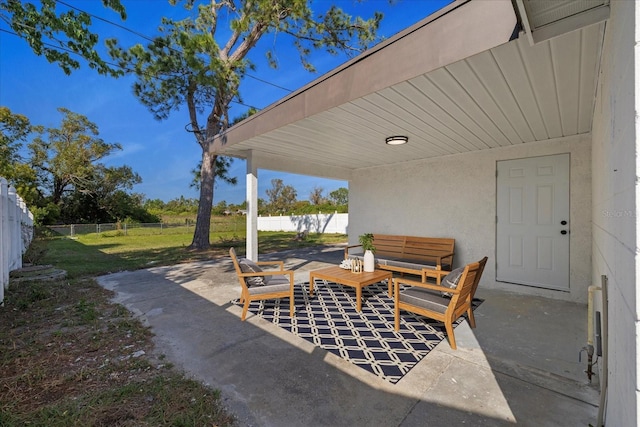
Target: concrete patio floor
[[519, 366]]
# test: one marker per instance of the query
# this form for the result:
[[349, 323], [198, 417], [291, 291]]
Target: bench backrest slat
[[415, 248]]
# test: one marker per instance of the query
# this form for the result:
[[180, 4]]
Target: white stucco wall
[[455, 196], [615, 212]]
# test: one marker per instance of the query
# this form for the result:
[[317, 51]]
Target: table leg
[[312, 280], [389, 284], [358, 298]]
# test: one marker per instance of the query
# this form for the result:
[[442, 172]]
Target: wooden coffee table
[[347, 278]]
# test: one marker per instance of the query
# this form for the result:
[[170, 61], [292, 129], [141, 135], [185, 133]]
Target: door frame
[[568, 247]]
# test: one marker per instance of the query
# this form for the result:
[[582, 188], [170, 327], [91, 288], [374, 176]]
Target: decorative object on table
[[346, 264], [366, 240], [352, 264], [356, 266]]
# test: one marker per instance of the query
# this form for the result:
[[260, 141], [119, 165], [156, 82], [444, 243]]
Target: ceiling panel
[[512, 94], [470, 111], [468, 77], [539, 62]]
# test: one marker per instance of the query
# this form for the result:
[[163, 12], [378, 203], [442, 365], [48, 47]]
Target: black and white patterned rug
[[367, 339]]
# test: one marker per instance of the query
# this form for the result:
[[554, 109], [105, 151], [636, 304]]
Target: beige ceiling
[[510, 94]]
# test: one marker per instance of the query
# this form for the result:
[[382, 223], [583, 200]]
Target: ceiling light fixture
[[397, 140]]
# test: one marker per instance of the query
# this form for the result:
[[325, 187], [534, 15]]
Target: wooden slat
[[432, 250]]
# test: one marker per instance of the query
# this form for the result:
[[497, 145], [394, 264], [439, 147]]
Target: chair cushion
[[266, 289], [424, 298], [451, 280], [248, 266], [279, 279]]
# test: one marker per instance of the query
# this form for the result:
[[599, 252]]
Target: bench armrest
[[278, 263], [346, 250], [266, 273], [398, 280], [440, 256], [436, 273]]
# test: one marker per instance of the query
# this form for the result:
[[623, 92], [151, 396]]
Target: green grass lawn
[[68, 353], [101, 253]]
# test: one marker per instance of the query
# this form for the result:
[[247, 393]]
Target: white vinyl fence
[[16, 233], [312, 223]]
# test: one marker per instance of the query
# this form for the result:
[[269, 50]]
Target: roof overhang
[[543, 20], [455, 82]]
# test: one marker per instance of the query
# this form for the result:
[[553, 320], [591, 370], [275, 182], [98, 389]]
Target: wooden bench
[[409, 254]]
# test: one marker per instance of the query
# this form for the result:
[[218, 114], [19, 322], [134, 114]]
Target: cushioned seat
[[261, 290], [425, 298], [432, 301]]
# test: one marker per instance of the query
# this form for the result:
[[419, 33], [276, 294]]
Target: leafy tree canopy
[[193, 64], [14, 131], [59, 36], [63, 178], [340, 196], [65, 158], [281, 197]]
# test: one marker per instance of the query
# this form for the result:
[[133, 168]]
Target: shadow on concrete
[[269, 377]]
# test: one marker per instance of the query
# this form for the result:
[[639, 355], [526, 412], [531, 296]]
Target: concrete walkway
[[519, 366]]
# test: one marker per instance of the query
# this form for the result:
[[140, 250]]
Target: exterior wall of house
[[455, 196], [615, 206]]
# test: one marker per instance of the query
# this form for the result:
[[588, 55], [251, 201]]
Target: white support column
[[252, 209]]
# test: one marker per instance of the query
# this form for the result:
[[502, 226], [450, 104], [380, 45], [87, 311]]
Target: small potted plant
[[366, 240]]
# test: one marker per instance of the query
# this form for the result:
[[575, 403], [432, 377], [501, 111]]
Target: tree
[[66, 157], [316, 197], [222, 165], [14, 130], [64, 178], [340, 196], [281, 197], [186, 65], [108, 189], [155, 205], [57, 36]]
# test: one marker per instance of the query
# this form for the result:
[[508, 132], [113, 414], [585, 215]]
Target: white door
[[533, 221]]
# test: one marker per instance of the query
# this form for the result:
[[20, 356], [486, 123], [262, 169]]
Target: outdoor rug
[[367, 339]]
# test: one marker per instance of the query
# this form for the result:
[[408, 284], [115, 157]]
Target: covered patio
[[509, 370], [468, 91], [484, 90]]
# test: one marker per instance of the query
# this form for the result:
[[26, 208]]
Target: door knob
[[563, 222], [563, 232]]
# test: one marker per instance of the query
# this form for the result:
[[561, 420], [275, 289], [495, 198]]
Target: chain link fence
[[145, 229]]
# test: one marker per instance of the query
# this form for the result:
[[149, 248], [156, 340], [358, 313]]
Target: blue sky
[[163, 153]]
